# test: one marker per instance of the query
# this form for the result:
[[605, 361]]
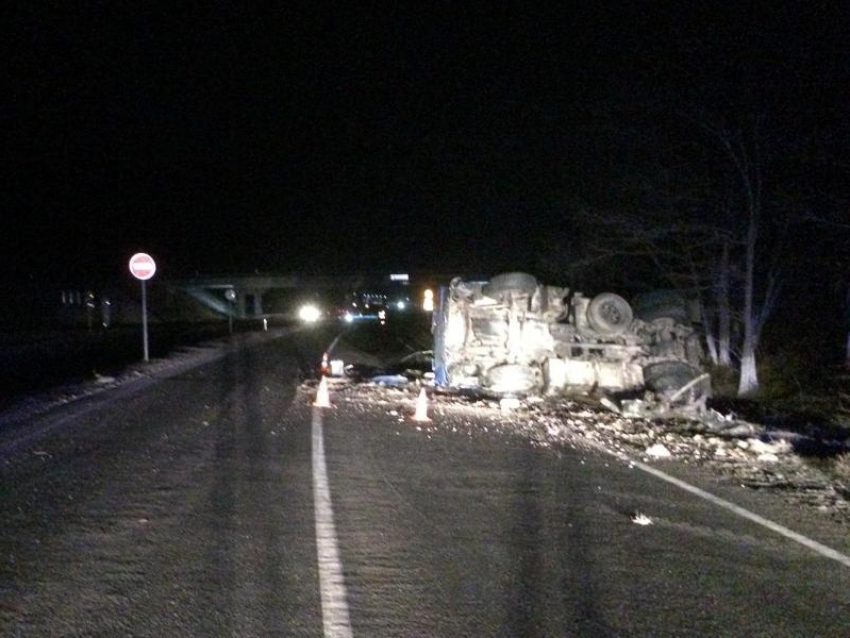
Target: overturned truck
[[511, 336]]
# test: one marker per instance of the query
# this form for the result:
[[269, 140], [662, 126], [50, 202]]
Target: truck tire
[[661, 304], [609, 314], [513, 282]]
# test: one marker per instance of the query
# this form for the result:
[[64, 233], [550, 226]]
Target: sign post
[[230, 295], [143, 267]]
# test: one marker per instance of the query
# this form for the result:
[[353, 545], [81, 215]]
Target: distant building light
[[400, 277]]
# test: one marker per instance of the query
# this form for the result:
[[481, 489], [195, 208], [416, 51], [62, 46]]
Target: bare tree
[[716, 232], [724, 307], [745, 152]]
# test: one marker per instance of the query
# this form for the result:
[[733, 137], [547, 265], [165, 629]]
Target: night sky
[[232, 139]]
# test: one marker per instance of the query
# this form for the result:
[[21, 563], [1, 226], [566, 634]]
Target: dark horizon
[[238, 141]]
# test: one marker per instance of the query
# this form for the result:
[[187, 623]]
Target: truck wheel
[[609, 314], [661, 304], [514, 282]]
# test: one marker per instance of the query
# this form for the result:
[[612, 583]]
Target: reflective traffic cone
[[421, 407], [323, 397]]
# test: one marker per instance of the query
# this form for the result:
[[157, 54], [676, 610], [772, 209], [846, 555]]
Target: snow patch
[[175, 363]]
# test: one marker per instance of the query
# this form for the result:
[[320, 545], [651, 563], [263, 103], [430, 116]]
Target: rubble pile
[[747, 454]]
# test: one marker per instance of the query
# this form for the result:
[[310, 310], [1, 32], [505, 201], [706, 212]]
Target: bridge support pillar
[[258, 303], [240, 304], [249, 302]]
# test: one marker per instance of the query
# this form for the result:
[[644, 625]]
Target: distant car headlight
[[348, 317], [400, 305], [308, 313]]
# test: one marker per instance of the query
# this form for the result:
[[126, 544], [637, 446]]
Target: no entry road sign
[[142, 266]]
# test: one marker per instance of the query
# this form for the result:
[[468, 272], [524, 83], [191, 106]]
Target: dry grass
[[841, 467], [842, 412]]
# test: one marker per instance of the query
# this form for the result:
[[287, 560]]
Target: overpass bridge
[[244, 296]]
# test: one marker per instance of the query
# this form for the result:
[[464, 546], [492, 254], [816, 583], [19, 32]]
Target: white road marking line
[[820, 548], [333, 344], [335, 617]]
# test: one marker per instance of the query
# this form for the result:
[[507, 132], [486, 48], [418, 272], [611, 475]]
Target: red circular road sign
[[142, 266]]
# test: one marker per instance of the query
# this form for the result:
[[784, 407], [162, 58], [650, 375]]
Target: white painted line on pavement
[[335, 616], [820, 548], [331, 347]]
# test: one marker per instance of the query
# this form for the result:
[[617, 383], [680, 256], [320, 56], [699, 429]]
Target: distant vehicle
[[310, 309], [375, 303], [309, 313], [513, 336]]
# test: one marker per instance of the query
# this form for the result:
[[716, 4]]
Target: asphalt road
[[187, 508]]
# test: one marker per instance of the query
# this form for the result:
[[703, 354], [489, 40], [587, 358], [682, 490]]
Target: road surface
[[200, 506]]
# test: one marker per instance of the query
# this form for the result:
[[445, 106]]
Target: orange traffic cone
[[323, 397], [421, 407]]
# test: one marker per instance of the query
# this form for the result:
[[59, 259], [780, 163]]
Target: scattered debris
[[390, 379], [746, 454], [629, 407], [509, 404], [658, 451], [641, 519]]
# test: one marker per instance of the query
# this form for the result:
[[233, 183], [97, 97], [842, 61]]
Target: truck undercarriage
[[511, 336]]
